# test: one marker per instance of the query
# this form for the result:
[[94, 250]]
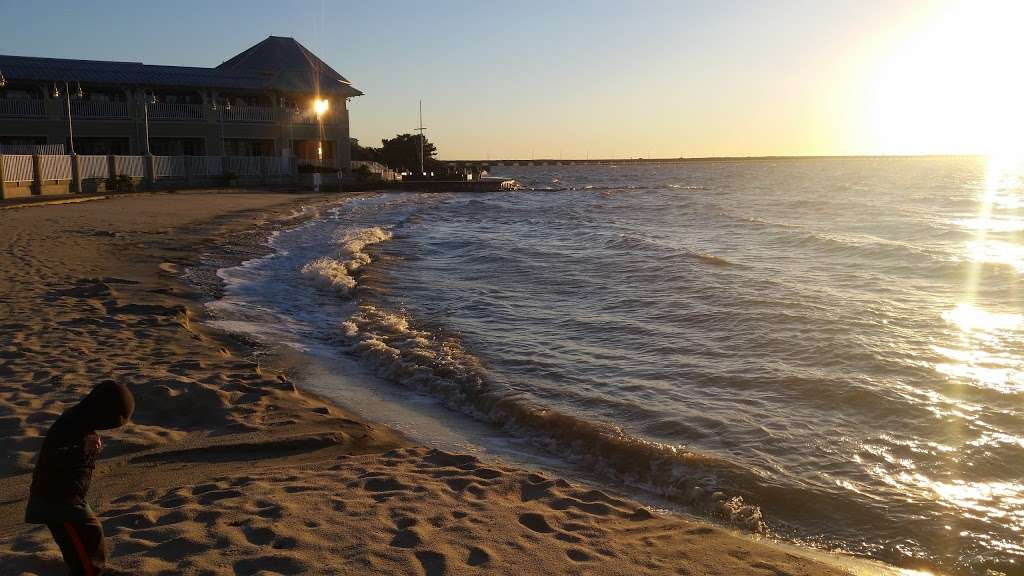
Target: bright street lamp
[[320, 106]]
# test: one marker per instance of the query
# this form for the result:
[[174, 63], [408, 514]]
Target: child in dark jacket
[[64, 470]]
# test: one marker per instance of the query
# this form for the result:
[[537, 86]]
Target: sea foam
[[336, 273]]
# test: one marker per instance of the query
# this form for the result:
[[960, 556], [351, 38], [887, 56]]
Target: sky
[[607, 79]]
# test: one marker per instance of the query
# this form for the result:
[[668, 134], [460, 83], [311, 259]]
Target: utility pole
[[420, 129]]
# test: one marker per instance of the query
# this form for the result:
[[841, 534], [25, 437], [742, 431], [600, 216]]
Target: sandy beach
[[229, 467]]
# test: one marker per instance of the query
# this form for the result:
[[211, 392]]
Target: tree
[[367, 153], [402, 153]]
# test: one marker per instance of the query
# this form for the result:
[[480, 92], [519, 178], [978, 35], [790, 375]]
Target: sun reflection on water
[[978, 322], [983, 347], [997, 252], [987, 343]]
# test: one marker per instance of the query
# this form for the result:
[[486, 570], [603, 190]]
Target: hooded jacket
[[68, 456]]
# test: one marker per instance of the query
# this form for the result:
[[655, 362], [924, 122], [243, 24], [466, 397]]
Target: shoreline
[[281, 436]]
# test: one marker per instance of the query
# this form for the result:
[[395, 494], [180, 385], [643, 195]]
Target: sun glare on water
[[953, 84], [985, 346]]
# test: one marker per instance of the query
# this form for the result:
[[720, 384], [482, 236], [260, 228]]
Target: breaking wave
[[395, 349], [336, 273], [441, 367]]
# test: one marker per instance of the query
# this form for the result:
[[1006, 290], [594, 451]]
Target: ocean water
[[829, 351]]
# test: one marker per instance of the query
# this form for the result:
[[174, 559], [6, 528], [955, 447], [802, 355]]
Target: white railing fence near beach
[[277, 166], [91, 167], [170, 166], [18, 168], [133, 166], [205, 165], [29, 168], [55, 167], [242, 165]]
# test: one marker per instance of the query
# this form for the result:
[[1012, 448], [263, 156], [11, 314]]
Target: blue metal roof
[[270, 71]]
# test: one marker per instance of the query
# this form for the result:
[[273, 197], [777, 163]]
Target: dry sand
[[228, 468]]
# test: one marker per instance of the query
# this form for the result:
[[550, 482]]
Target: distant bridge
[[485, 164], [477, 165]]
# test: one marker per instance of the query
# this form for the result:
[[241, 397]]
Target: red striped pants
[[82, 545]]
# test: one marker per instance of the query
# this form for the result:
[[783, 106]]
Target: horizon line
[[719, 158]]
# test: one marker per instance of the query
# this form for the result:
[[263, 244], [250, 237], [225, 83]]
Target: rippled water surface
[[835, 347]]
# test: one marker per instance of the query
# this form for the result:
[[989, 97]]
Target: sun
[[952, 85]]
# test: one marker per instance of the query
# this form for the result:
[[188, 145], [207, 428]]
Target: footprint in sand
[[478, 556], [535, 522], [577, 555], [276, 564], [434, 563], [407, 538]]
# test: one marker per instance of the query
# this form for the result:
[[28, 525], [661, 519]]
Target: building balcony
[[22, 107], [99, 109], [249, 114], [177, 111], [329, 117]]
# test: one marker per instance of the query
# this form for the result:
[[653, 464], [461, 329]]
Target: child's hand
[[96, 445]]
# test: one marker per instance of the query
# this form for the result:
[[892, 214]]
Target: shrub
[[120, 183]]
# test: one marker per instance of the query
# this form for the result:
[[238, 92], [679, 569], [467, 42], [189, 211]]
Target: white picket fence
[[55, 167], [93, 167], [133, 166], [18, 168]]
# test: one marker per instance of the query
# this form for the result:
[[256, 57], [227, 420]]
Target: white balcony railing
[[22, 107], [310, 118], [99, 109], [176, 112], [249, 114]]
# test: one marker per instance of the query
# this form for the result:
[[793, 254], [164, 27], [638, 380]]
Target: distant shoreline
[[683, 160]]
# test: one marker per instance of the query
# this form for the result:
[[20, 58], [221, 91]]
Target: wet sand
[[229, 468]]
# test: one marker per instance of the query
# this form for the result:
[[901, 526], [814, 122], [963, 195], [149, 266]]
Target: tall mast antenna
[[420, 129]]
